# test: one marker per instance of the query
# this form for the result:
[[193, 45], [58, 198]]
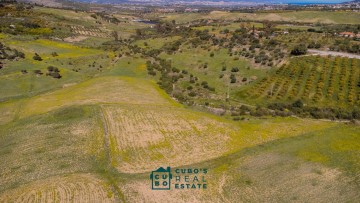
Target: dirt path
[[106, 137], [221, 188], [333, 53], [119, 196]]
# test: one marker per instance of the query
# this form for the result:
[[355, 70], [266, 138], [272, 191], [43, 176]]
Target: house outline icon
[[161, 171]]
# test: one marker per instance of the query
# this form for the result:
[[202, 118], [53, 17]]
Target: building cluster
[[349, 35]]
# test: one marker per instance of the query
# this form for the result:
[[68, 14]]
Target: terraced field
[[328, 81]]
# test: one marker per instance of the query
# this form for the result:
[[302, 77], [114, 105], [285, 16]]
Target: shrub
[[175, 70], [55, 75], [232, 78], [192, 94], [38, 72], [54, 72], [152, 72], [19, 54], [204, 84], [53, 69], [298, 104], [235, 69], [37, 57], [299, 50]]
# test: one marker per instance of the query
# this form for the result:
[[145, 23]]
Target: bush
[[54, 72], [204, 84], [192, 94], [38, 72], [232, 78], [260, 111], [175, 70], [152, 72], [311, 30], [235, 69], [53, 69], [37, 57], [299, 50], [298, 104], [19, 54], [55, 75]]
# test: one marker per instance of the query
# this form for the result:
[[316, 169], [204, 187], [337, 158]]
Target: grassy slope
[[144, 135], [15, 84], [126, 26], [155, 43], [41, 149], [193, 60], [306, 168]]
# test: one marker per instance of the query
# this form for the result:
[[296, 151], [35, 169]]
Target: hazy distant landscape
[[235, 1]]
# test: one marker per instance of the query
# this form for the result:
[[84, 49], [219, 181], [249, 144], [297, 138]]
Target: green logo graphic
[[161, 179]]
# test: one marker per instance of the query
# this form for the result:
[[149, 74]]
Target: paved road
[[333, 53]]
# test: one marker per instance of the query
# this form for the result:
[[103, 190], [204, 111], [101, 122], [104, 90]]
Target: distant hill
[[52, 3], [237, 1], [57, 2]]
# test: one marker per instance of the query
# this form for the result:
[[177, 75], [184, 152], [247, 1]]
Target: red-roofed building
[[347, 34]]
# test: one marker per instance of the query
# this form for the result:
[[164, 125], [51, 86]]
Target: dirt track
[[333, 53]]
